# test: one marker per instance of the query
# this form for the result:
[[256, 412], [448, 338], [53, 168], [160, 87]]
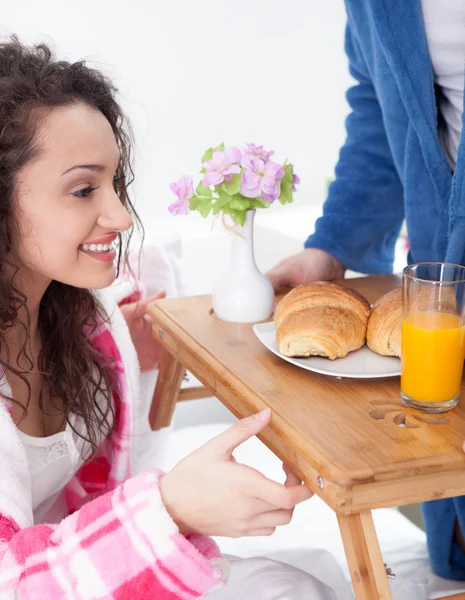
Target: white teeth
[[97, 247]]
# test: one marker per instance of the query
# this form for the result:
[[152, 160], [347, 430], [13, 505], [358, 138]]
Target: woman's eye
[[84, 192]]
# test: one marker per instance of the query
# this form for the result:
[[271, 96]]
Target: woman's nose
[[115, 216]]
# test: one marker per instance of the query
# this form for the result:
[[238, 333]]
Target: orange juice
[[433, 351]]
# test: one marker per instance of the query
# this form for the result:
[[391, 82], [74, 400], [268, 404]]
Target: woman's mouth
[[96, 247], [101, 252]]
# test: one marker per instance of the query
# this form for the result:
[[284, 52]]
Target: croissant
[[321, 319], [384, 330], [321, 293]]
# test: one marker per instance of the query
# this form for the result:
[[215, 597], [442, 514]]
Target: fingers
[[158, 296], [289, 496], [265, 531], [278, 276], [290, 273], [291, 479], [273, 519], [276, 494], [299, 493], [311, 264], [266, 523], [140, 307], [142, 304], [259, 506], [225, 443]]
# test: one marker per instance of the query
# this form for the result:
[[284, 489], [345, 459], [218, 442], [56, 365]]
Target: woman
[[75, 522]]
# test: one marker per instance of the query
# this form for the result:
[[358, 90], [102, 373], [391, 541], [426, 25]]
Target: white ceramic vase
[[244, 294]]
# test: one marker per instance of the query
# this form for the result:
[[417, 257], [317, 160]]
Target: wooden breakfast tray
[[350, 440]]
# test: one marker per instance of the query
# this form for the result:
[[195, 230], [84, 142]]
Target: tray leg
[[167, 390], [364, 557]]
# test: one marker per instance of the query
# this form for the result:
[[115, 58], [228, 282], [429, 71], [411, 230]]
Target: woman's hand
[[209, 493], [140, 327]]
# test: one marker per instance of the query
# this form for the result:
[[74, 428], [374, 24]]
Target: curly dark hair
[[31, 80]]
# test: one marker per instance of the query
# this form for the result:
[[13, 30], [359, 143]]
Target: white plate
[[362, 363]]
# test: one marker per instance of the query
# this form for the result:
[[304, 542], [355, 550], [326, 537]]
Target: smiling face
[[66, 207]]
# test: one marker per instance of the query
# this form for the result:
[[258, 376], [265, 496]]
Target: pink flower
[[184, 190], [222, 166], [258, 152], [295, 182], [261, 179]]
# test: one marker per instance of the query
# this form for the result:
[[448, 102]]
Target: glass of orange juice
[[433, 336]]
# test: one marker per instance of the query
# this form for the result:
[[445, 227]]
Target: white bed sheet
[[312, 541]]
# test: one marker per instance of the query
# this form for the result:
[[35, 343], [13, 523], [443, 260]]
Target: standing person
[[404, 157]]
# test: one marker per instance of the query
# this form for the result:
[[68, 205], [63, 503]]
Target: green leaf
[[239, 216], [203, 191], [259, 203], [207, 155], [286, 195], [204, 207], [286, 186], [202, 204], [232, 187], [288, 170], [223, 197], [239, 203], [194, 202], [217, 208], [219, 148]]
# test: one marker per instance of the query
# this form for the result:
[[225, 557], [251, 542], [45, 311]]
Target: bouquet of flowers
[[233, 181]]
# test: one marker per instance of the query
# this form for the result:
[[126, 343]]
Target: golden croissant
[[321, 319], [384, 330]]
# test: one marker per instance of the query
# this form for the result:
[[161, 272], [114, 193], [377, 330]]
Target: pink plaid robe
[[118, 541]]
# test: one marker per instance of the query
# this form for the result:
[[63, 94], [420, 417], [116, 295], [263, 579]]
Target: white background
[[193, 73]]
